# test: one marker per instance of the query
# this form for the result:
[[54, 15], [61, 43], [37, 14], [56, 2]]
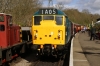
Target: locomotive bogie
[[49, 49]]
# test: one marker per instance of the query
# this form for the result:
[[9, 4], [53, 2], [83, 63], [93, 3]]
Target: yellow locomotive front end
[[48, 32]]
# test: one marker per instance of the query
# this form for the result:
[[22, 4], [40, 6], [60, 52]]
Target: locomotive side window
[[10, 21], [1, 18], [48, 17], [2, 28], [59, 20], [65, 21], [37, 20]]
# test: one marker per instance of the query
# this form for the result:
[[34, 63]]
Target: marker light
[[58, 35], [35, 36]]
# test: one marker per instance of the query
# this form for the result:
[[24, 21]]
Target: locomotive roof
[[59, 12], [76, 23], [5, 14]]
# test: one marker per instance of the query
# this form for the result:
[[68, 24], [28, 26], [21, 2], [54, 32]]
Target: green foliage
[[97, 26], [84, 17], [21, 10]]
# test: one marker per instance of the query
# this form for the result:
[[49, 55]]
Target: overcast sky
[[92, 5]]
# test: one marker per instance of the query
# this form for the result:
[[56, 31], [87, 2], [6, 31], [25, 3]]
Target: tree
[[85, 11], [59, 5], [21, 10], [98, 19], [83, 18]]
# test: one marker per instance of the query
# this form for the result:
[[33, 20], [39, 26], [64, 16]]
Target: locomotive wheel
[[8, 55], [6, 64], [0, 53], [0, 56], [13, 50], [63, 57], [0, 61]]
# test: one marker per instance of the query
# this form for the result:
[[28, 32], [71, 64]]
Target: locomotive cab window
[[48, 17], [9, 20], [1, 18], [2, 28], [37, 20], [59, 20]]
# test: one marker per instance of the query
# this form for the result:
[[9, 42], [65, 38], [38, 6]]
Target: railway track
[[60, 63], [30, 59], [41, 63]]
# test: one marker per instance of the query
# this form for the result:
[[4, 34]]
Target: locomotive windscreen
[[48, 17], [1, 18], [37, 20], [59, 20]]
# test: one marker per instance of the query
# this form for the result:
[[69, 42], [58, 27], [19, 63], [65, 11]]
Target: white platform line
[[71, 53]]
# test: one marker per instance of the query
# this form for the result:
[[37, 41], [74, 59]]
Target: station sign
[[48, 11]]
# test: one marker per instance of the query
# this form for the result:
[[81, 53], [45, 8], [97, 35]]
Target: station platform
[[84, 52], [77, 56]]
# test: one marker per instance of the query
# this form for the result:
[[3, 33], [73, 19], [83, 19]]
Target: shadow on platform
[[88, 53]]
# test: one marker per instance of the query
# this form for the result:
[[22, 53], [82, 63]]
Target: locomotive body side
[[3, 34], [10, 39], [9, 35]]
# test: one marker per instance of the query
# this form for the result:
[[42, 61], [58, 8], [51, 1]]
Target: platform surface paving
[[79, 58], [86, 52]]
